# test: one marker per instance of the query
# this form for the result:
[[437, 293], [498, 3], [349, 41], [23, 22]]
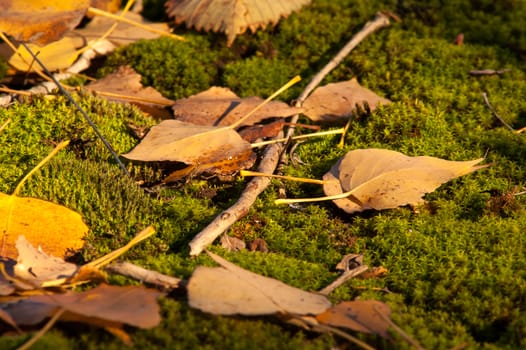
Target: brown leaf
[[232, 244], [40, 21], [238, 291], [334, 103], [207, 148], [36, 267], [367, 316], [124, 85], [125, 33], [103, 306], [55, 228], [232, 17], [383, 179], [219, 106]]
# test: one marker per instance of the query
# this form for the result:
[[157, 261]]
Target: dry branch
[[138, 273], [271, 157]]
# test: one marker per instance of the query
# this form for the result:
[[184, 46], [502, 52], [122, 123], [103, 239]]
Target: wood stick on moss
[[139, 273], [270, 159]]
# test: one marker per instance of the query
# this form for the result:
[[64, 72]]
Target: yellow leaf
[[40, 21], [55, 56], [53, 227]]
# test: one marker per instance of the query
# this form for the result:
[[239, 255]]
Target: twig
[[400, 331], [271, 156], [477, 72], [344, 277], [147, 276], [43, 331], [485, 97], [79, 108]]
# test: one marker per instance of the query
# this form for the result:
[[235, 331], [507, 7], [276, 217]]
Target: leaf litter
[[383, 179]]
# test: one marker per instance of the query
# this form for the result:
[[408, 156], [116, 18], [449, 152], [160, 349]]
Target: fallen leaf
[[239, 291], [382, 179], [334, 103], [232, 244], [103, 305], [40, 21], [57, 55], [366, 316], [232, 17], [36, 267], [207, 148], [125, 33], [124, 85], [219, 106], [53, 227]]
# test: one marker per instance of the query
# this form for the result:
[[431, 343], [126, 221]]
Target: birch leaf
[[366, 316], [220, 106], [53, 227], [382, 179], [334, 103], [197, 145], [239, 291]]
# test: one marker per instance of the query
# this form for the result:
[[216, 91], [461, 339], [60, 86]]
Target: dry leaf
[[232, 244], [206, 148], [238, 291], [125, 33], [57, 55], [104, 306], [383, 179], [40, 21], [55, 228], [367, 316], [124, 85], [232, 17], [335, 102], [36, 267], [219, 106]]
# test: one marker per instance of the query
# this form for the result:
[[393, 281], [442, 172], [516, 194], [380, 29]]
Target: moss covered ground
[[457, 267]]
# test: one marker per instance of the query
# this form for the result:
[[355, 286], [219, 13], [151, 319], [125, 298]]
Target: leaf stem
[[284, 177], [39, 165], [299, 137], [270, 98]]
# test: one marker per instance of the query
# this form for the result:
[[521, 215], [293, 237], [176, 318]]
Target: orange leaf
[[367, 316], [53, 227]]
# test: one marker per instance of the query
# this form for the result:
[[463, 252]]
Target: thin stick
[[42, 331], [144, 275], [485, 97], [5, 124], [270, 98], [271, 156], [299, 137], [106, 259], [77, 106], [284, 177], [39, 165], [96, 11], [400, 331], [344, 277]]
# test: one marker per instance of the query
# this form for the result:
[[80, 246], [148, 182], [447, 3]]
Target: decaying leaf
[[104, 305], [207, 148], [239, 291], [125, 33], [334, 103], [56, 229], [40, 21], [367, 316], [219, 106], [35, 266], [124, 85], [383, 179], [232, 17], [56, 55]]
